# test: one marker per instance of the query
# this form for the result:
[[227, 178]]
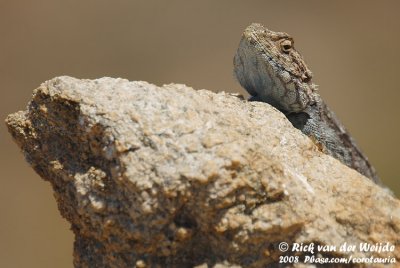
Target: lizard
[[269, 67]]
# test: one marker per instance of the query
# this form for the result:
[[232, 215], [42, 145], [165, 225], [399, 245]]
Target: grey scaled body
[[268, 66]]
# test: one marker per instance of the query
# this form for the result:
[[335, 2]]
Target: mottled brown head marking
[[279, 46], [269, 67]]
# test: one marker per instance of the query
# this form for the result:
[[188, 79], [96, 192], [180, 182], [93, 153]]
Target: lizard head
[[268, 66]]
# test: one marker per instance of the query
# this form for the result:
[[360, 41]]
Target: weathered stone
[[172, 177]]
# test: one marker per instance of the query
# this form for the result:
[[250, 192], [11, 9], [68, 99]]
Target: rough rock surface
[[172, 177]]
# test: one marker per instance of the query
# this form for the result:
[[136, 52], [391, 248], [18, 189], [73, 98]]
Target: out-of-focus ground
[[352, 47]]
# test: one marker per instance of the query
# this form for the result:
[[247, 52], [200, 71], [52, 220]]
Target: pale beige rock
[[172, 177]]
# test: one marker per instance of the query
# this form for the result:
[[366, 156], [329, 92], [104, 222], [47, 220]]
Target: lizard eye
[[286, 46]]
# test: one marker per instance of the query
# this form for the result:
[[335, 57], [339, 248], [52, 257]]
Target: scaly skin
[[268, 66]]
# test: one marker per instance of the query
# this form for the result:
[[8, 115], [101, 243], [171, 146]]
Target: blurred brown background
[[351, 46]]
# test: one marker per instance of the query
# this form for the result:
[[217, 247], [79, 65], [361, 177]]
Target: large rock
[[172, 177]]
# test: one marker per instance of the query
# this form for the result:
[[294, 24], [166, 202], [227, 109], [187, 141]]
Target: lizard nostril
[[306, 78]]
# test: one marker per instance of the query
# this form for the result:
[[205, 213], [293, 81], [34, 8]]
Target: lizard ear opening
[[298, 120]]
